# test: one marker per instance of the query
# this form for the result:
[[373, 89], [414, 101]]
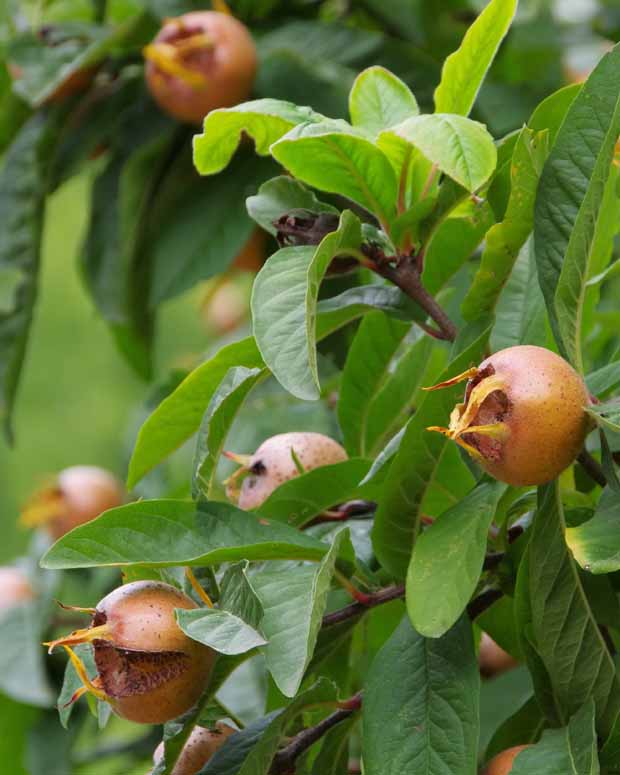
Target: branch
[[592, 467], [284, 760], [357, 609], [485, 600]]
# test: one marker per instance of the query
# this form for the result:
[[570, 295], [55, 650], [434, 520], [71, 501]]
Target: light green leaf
[[220, 414], [461, 148], [421, 705], [569, 197], [284, 307], [379, 100], [281, 195], [164, 533], [464, 71], [505, 240], [265, 121], [220, 630], [595, 544], [447, 561], [335, 157]]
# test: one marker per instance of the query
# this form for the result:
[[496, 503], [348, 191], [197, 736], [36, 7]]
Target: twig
[[485, 600], [284, 760], [592, 467], [355, 509], [357, 609]]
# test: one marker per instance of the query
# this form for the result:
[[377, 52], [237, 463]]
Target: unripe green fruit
[[523, 416], [199, 748], [198, 62], [14, 587], [277, 460], [502, 763], [148, 669]]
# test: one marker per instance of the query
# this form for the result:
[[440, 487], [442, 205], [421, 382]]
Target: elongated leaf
[[279, 196], [356, 301], [523, 727], [459, 147], [607, 415], [333, 758], [220, 414], [297, 501], [420, 708], [163, 533], [413, 468], [505, 239], [379, 100], [571, 750], [596, 543], [265, 121], [337, 158], [284, 304], [294, 603], [567, 635], [221, 630], [16, 720], [22, 196], [604, 379], [569, 197], [447, 561], [464, 70]]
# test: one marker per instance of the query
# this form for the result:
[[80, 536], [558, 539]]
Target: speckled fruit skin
[[199, 748], [14, 587], [547, 421], [87, 491], [502, 763], [172, 670], [274, 455], [229, 66], [492, 659]]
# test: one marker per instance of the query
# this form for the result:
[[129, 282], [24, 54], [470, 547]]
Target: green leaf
[[265, 121], [294, 603], [569, 197], [550, 113], [413, 468], [566, 633], [504, 240], [222, 631], [461, 148], [522, 728], [607, 414], [22, 671], [279, 196], [284, 307], [333, 758], [333, 156], [464, 71], [604, 379], [16, 719], [23, 183], [355, 302], [379, 100], [447, 561], [251, 751], [570, 751], [220, 414], [164, 533], [421, 705], [304, 497], [595, 544]]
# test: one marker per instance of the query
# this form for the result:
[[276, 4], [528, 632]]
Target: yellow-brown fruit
[[492, 659], [252, 256], [148, 669], [78, 495], [14, 587], [199, 748], [502, 763], [198, 62], [523, 416]]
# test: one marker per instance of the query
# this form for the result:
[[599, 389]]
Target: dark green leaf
[[604, 379], [15, 721], [523, 727]]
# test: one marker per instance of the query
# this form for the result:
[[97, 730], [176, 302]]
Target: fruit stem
[[198, 589]]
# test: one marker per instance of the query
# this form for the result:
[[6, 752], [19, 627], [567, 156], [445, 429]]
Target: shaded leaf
[[279, 196], [595, 544]]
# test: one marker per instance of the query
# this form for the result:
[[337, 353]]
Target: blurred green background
[[78, 395]]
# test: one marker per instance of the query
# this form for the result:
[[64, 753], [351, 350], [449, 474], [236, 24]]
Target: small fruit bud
[[277, 460], [492, 659], [14, 587], [523, 417], [148, 669], [198, 62], [502, 763], [199, 748], [79, 494]]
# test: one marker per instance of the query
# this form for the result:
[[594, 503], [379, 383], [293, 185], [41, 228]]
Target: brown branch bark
[[357, 609], [592, 467]]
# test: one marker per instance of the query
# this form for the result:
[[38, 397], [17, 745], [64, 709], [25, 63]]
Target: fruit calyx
[[171, 58]]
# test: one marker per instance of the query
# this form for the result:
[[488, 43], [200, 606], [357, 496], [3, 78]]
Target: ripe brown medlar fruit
[[14, 587], [492, 659], [78, 495], [149, 670], [252, 255], [277, 460], [502, 763], [199, 748], [198, 62], [523, 418]]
